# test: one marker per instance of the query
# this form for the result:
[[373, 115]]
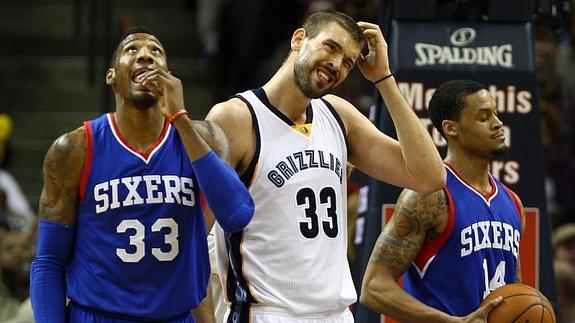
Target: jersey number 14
[[496, 281]]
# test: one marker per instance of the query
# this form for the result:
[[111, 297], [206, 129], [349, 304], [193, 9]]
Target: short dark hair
[[128, 32], [317, 21], [449, 99]]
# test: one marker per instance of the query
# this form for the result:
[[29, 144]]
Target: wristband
[[383, 78], [177, 114]]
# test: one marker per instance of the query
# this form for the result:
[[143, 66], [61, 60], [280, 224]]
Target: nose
[[497, 123], [144, 56], [336, 62]]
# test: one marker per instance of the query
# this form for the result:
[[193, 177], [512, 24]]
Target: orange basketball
[[521, 304]]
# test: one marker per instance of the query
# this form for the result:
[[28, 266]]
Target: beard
[[302, 76], [144, 100], [499, 151]]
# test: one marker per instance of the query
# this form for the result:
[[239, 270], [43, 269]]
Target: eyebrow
[[487, 110], [135, 39], [333, 42]]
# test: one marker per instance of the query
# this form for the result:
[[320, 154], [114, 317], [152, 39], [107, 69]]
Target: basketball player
[[290, 141], [121, 230], [458, 244]]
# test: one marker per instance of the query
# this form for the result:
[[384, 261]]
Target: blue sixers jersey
[[140, 249], [476, 253]]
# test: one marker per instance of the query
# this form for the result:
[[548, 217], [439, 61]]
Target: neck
[[472, 168], [139, 127], [285, 95]]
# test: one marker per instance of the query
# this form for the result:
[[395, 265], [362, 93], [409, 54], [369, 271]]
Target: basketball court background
[[425, 53]]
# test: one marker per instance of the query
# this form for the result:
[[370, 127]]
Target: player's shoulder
[[232, 110], [431, 204], [516, 199], [71, 142], [338, 103], [66, 154], [349, 115]]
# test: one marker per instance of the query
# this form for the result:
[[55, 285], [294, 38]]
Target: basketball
[[521, 304]]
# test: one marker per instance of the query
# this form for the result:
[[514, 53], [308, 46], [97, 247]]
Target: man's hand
[[480, 315], [375, 64], [167, 88]]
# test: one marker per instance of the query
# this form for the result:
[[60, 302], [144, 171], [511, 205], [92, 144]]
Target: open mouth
[[137, 73], [325, 75]]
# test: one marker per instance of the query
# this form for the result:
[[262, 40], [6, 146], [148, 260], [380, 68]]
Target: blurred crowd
[[17, 238], [555, 70]]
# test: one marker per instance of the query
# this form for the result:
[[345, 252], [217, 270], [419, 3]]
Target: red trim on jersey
[[491, 181], [516, 201], [87, 160], [146, 153], [203, 201], [432, 247]]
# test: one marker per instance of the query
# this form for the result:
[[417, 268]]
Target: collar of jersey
[[145, 156], [487, 198], [261, 95]]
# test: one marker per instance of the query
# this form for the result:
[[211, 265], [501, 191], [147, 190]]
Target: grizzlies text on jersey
[[283, 258]]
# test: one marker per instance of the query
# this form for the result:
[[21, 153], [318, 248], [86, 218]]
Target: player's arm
[[204, 313], [395, 250], [214, 137], [417, 218], [521, 210], [225, 194], [62, 171], [410, 162], [413, 160], [234, 118]]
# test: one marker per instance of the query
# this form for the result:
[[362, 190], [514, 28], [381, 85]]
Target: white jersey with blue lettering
[[292, 255]]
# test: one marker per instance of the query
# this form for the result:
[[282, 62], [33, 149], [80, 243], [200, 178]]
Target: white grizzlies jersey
[[292, 255]]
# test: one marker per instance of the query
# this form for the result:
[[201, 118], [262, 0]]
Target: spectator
[[565, 283], [5, 132], [15, 258], [564, 243], [566, 70], [14, 206]]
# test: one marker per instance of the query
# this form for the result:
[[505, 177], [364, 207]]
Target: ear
[[449, 128], [110, 76], [297, 39]]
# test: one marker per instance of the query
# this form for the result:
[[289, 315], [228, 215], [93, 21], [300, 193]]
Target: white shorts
[[268, 314]]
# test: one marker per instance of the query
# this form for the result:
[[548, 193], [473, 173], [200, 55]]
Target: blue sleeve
[[226, 195], [47, 279]]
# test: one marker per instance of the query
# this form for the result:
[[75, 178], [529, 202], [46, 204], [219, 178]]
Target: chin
[[144, 100], [499, 151], [314, 92]]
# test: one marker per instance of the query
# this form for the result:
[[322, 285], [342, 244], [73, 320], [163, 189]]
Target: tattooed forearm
[[214, 137], [412, 222]]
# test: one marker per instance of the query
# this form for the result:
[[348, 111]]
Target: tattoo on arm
[[413, 221], [62, 170], [214, 136]]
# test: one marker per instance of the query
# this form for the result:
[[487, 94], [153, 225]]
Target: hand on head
[[375, 64]]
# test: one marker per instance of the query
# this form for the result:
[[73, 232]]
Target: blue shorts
[[79, 314]]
